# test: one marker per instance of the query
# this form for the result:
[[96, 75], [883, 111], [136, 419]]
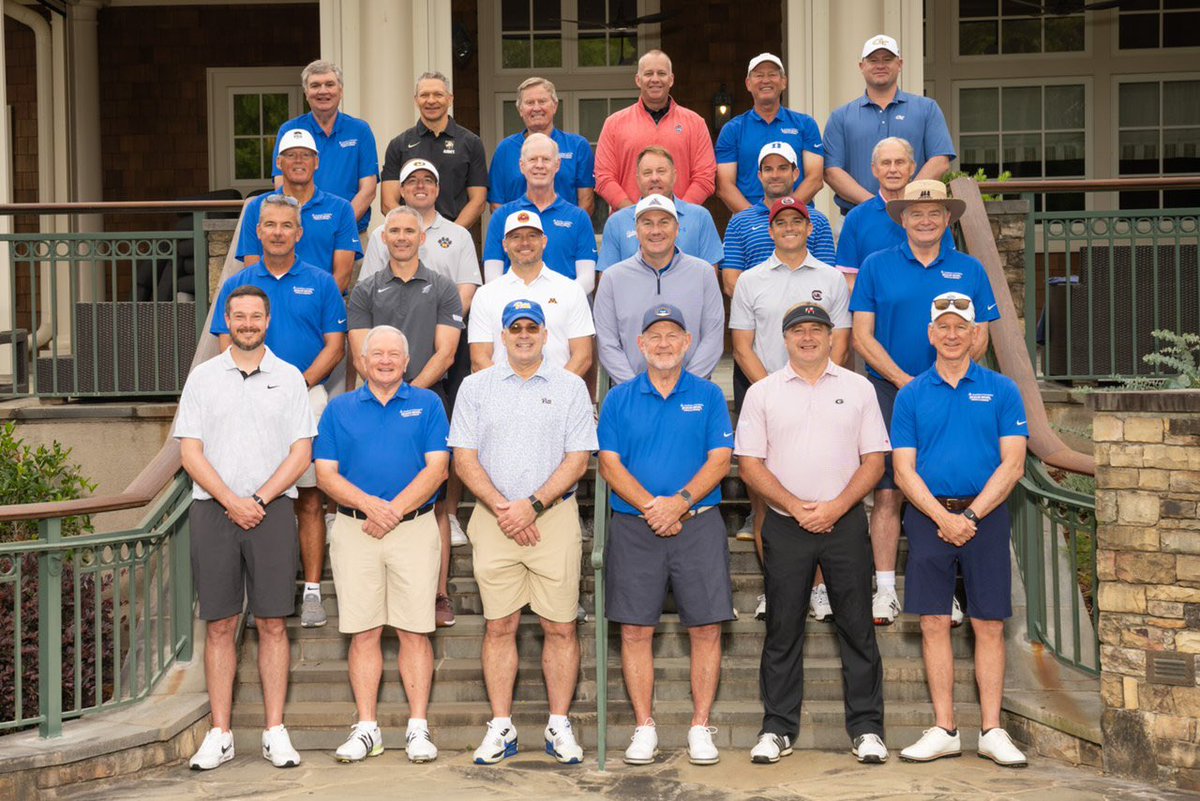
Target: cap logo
[[662, 311], [654, 202], [925, 193], [880, 40], [523, 216], [787, 200], [520, 304]]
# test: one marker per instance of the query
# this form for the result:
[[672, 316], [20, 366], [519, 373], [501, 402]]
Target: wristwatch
[[538, 506], [255, 497], [687, 496], [970, 515]]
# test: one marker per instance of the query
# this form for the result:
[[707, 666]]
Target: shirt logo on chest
[[322, 217], [449, 148], [564, 223], [691, 407], [428, 287], [899, 117], [816, 294], [980, 397], [679, 129], [792, 131], [410, 412], [348, 143], [444, 242], [547, 401], [566, 155], [951, 276], [840, 400], [304, 290]]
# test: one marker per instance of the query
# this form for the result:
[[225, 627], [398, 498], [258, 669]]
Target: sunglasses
[[529, 328], [962, 304]]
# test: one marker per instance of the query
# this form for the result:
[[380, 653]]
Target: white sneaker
[[216, 750], [935, 743], [884, 607], [746, 532], [643, 745], [457, 535], [760, 611], [869, 748], [277, 747], [497, 744], [818, 604], [561, 744], [363, 742], [956, 614], [701, 749], [419, 747], [770, 748], [997, 746]]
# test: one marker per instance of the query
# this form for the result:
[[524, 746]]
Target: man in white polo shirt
[[568, 316]]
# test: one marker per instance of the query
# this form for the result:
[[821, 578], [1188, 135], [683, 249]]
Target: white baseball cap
[[297, 137], [880, 42], [655, 203], [760, 58], [522, 219], [413, 165], [952, 303], [779, 149]]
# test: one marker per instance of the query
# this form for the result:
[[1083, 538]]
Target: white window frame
[[222, 83], [1115, 34], [957, 57], [1147, 77]]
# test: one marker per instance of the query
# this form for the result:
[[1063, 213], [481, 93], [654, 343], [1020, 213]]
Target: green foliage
[[1178, 353], [978, 177], [34, 475]]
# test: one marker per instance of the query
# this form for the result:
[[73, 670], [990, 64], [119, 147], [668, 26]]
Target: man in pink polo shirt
[[811, 441], [655, 119]]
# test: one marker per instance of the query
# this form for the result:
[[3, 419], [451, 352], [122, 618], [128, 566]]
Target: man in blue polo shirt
[[883, 110], [959, 434], [889, 306], [656, 176], [571, 242], [381, 456], [349, 158], [537, 103], [748, 240], [768, 121], [330, 238], [868, 228], [308, 331], [665, 444]]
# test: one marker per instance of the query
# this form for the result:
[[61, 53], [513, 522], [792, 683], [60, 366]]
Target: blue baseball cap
[[661, 312], [523, 310]]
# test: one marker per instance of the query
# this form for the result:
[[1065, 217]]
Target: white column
[[6, 196]]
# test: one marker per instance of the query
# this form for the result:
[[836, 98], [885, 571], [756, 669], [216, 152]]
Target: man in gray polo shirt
[[522, 434], [659, 273], [426, 307], [245, 435]]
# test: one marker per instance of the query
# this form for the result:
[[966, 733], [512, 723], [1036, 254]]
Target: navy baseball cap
[[523, 310], [806, 313], [660, 312]]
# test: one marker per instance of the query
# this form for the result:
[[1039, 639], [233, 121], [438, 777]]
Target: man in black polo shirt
[[424, 305], [456, 152]]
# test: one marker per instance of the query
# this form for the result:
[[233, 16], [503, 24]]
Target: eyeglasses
[[962, 304], [530, 328]]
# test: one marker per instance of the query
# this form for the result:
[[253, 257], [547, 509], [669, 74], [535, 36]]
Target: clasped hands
[[955, 529], [819, 517], [663, 514], [518, 521]]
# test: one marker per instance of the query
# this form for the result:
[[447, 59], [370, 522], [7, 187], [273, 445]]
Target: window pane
[[591, 14], [247, 159], [275, 111], [547, 15], [1022, 155], [1181, 103], [514, 52], [1138, 153], [1181, 30], [1138, 105], [1017, 8], [622, 50], [1064, 107], [547, 51], [980, 151], [592, 50], [977, 38], [1139, 5], [514, 15], [1064, 154], [978, 110], [1064, 34], [1021, 36], [977, 8], [1180, 150], [1021, 108], [1172, 4], [622, 10], [246, 119], [1138, 30], [592, 113], [511, 119]]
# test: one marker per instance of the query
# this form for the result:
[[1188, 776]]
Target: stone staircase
[[320, 705]]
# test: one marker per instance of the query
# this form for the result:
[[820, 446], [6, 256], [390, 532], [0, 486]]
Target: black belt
[[955, 504], [350, 511]]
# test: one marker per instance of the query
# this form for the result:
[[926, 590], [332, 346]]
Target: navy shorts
[[885, 393], [694, 563], [986, 568]]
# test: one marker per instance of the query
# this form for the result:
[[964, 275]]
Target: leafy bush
[[979, 177], [1179, 354], [34, 475]]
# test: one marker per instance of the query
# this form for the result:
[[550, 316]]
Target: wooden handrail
[[135, 205], [1102, 185]]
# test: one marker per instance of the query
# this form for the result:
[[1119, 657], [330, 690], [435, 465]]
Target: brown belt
[[955, 504]]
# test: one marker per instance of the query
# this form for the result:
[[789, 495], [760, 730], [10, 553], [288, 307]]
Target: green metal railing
[[1054, 535], [114, 612], [599, 543]]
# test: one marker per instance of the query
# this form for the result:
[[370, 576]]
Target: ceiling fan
[[1058, 8], [622, 24]]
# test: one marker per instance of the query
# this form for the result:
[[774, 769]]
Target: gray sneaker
[[312, 614]]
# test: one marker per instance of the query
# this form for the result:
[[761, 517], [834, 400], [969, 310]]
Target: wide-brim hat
[[926, 191]]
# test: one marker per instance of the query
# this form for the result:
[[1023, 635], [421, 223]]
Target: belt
[[350, 511], [955, 504]]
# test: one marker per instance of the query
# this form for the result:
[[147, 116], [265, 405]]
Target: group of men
[[274, 433]]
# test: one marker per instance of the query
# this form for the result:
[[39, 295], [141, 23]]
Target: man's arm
[[745, 357], [729, 279], [727, 188], [754, 472], [703, 178], [953, 528], [476, 202], [711, 345], [356, 337], [327, 359], [466, 464], [608, 156], [378, 511], [814, 177], [822, 516], [585, 198], [663, 513], [622, 482], [343, 268], [841, 347], [242, 511], [580, 360], [845, 186], [979, 342], [365, 196], [482, 355], [389, 196], [873, 353], [934, 169], [1005, 477], [445, 343], [608, 335]]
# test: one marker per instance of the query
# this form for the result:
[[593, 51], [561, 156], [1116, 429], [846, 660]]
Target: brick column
[[1147, 447], [1008, 228]]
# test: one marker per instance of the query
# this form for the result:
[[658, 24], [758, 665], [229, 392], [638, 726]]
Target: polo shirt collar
[[524, 201], [831, 369], [337, 123], [261, 270], [452, 128], [364, 394], [646, 386], [505, 370], [906, 249], [664, 270], [809, 261], [438, 221], [268, 364], [423, 273], [973, 373], [511, 276], [666, 109], [901, 97]]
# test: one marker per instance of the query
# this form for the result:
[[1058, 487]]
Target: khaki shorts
[[392, 581], [545, 576], [318, 399]]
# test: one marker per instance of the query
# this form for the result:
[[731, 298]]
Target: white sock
[[312, 589], [559, 722], [369, 724], [502, 723], [418, 724], [885, 580]]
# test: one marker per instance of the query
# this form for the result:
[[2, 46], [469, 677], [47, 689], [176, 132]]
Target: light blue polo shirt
[[568, 229], [957, 430], [898, 290], [328, 223], [576, 169], [854, 129], [347, 155], [306, 304], [748, 240], [381, 449], [663, 442], [868, 229], [743, 137], [697, 235]]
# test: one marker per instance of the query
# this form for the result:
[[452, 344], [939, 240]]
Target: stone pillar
[[1008, 229], [1147, 447]]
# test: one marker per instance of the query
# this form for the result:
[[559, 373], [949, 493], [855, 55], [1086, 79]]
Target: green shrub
[[34, 475]]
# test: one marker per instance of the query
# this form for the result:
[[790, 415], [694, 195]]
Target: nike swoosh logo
[[755, 227], [728, 434], [1020, 422], [272, 386], [341, 321], [414, 144], [225, 749], [381, 291], [989, 308]]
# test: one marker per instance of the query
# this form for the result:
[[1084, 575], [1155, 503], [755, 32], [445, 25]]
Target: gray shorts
[[694, 563], [229, 564]]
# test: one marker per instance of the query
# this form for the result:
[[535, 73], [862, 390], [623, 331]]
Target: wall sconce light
[[722, 108]]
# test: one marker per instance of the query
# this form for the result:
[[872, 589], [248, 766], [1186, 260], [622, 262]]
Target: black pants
[[791, 556]]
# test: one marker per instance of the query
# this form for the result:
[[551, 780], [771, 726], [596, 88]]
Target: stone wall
[[1008, 229], [1148, 563], [220, 238]]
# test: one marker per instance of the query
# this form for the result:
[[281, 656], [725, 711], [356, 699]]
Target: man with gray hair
[[456, 152], [381, 454], [346, 145], [571, 241], [537, 103]]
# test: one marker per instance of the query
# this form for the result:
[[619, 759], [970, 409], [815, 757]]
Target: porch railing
[[599, 544]]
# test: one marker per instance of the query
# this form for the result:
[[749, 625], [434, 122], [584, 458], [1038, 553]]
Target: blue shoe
[[498, 744], [561, 744]]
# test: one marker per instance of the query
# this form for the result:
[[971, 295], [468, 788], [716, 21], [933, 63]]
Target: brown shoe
[[443, 612]]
